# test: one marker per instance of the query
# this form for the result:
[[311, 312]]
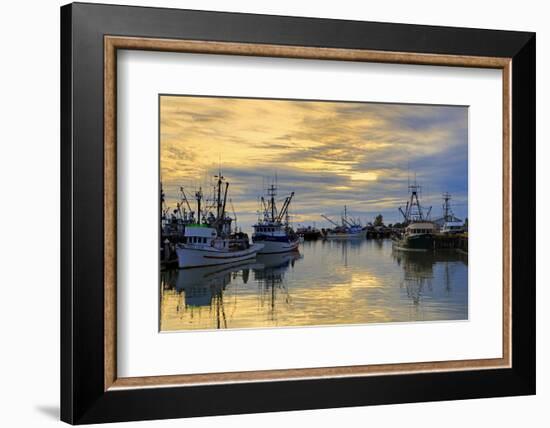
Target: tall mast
[[224, 200], [413, 209], [345, 214], [447, 206], [272, 207], [272, 192], [198, 196], [219, 197]]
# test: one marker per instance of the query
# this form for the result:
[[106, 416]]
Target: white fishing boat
[[273, 230], [452, 227], [348, 229], [449, 224], [204, 247], [211, 241]]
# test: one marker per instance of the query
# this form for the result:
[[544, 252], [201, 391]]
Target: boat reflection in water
[[269, 274], [326, 283], [418, 271], [206, 287]]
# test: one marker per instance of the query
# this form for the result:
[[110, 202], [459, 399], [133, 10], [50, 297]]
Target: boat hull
[[198, 257], [276, 247], [358, 235], [415, 243], [310, 235]]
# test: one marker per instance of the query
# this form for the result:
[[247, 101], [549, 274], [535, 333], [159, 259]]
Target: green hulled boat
[[418, 236], [419, 233]]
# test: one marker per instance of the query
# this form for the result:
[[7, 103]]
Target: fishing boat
[[347, 229], [273, 230], [419, 231], [308, 233], [211, 241], [449, 224], [174, 220], [418, 236]]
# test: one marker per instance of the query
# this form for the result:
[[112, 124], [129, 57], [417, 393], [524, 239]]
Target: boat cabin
[[420, 228], [199, 235], [452, 227], [267, 228]]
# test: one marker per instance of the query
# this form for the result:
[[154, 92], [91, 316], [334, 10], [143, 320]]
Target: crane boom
[[184, 197], [329, 220], [285, 207]]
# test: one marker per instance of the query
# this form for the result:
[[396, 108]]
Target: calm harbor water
[[326, 283]]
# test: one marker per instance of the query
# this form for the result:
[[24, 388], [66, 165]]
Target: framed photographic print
[[265, 213]]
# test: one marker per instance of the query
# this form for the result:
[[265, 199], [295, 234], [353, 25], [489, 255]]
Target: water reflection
[[418, 271], [327, 282]]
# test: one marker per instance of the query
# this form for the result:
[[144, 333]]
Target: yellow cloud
[[326, 147], [364, 176]]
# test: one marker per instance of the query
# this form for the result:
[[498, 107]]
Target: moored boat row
[[208, 236], [420, 232], [212, 241]]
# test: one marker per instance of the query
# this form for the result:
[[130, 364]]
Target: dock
[[451, 242]]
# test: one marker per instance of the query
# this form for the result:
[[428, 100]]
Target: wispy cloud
[[330, 154]]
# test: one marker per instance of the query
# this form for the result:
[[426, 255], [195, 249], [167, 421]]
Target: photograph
[[293, 213]]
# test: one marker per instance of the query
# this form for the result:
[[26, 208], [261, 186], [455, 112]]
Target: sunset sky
[[330, 154]]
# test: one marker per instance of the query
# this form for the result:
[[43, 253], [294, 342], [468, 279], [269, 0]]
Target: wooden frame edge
[[112, 43], [301, 52], [507, 213], [109, 197]]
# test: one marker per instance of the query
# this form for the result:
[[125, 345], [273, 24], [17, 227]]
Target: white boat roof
[[452, 223], [200, 230], [421, 225]]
